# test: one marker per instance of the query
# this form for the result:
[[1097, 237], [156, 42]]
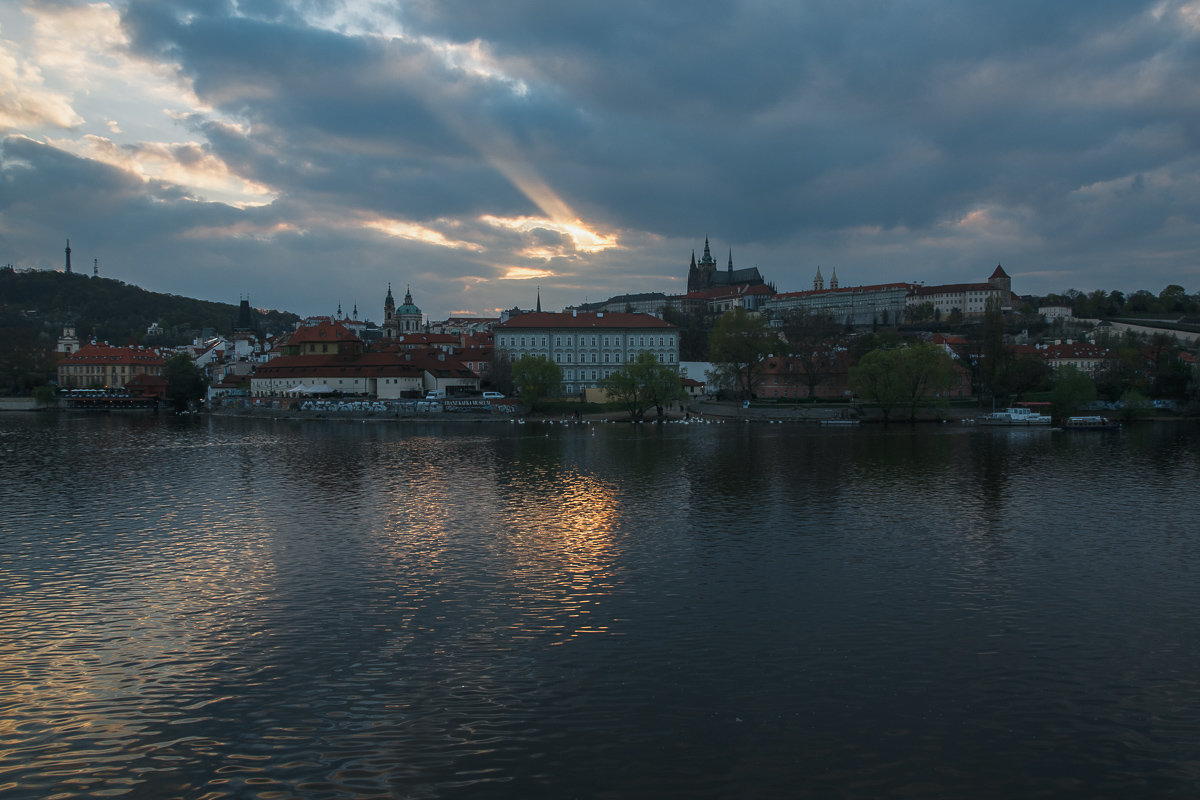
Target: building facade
[[881, 304], [969, 299], [99, 366], [588, 346]]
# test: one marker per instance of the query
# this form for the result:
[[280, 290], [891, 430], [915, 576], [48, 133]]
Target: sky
[[306, 154]]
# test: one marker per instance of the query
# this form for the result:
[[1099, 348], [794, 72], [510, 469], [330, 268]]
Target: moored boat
[[1090, 423], [1015, 416]]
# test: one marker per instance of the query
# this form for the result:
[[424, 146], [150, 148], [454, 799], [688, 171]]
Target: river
[[237, 608]]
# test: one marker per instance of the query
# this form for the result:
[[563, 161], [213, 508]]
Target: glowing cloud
[[25, 101], [187, 164], [583, 239], [525, 274], [418, 233]]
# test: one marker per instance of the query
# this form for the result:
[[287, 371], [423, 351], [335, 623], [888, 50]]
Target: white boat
[[1015, 416]]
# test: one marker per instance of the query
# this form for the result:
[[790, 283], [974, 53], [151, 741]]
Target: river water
[[232, 608]]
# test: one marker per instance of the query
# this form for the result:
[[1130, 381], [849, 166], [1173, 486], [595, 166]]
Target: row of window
[[582, 341], [609, 358]]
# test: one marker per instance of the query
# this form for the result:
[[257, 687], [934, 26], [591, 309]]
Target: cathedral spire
[[818, 281], [539, 299], [731, 259]]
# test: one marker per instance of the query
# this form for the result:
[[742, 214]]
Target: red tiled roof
[[875, 287], [104, 354], [948, 288], [324, 331], [603, 319]]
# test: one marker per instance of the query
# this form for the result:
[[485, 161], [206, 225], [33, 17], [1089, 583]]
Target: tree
[[536, 378], [1020, 375], [922, 313], [1135, 405], [1072, 389], [740, 342], [926, 372], [500, 375], [642, 384], [812, 345], [876, 377], [993, 354], [908, 376], [185, 382], [1174, 299]]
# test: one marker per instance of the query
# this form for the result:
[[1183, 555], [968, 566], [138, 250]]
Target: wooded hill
[[116, 312], [35, 305]]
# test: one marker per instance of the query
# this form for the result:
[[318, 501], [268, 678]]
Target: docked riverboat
[[1015, 416], [1090, 423]]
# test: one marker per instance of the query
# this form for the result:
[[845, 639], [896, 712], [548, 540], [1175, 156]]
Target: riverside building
[[587, 346]]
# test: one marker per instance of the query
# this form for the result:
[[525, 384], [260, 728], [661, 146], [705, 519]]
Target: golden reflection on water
[[565, 548]]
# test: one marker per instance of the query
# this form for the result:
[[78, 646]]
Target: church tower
[[1000, 280], [700, 274], [833, 283], [818, 282], [390, 329], [408, 317]]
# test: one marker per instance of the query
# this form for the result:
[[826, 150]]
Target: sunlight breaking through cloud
[[418, 233], [583, 238], [186, 164]]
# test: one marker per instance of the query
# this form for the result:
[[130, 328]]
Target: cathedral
[[704, 275], [405, 319]]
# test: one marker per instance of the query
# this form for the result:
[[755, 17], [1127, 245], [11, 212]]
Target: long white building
[[587, 346]]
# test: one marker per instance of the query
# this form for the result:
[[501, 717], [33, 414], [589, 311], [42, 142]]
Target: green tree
[[922, 313], [739, 343], [1174, 299], [877, 377], [185, 382], [994, 355], [1070, 391], [927, 373], [907, 376], [812, 344], [642, 384], [1135, 405], [1019, 375], [536, 378]]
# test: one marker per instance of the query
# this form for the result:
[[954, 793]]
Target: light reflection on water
[[230, 608]]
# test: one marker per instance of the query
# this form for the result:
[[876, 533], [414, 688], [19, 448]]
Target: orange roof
[[324, 331], [602, 319], [104, 354], [875, 287]]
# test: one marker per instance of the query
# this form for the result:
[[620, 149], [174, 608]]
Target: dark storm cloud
[[917, 140]]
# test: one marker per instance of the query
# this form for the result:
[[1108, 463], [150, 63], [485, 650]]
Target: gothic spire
[[539, 299], [731, 259]]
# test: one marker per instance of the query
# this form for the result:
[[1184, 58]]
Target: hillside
[[34, 306], [115, 311]]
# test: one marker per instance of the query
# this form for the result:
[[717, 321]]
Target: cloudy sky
[[307, 153]]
